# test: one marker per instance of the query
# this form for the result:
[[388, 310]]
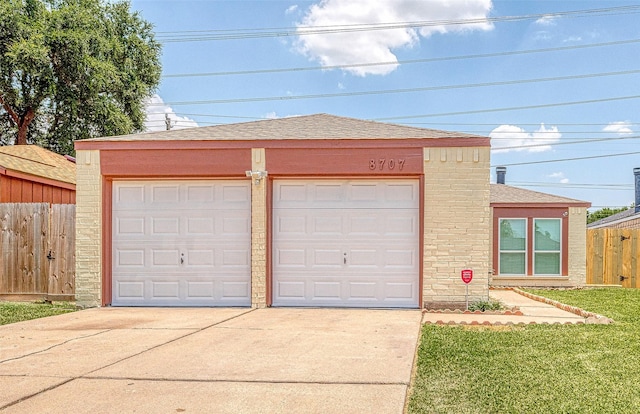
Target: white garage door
[[352, 243], [181, 243]]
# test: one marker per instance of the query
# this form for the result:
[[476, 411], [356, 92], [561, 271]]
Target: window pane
[[512, 263], [513, 233], [547, 234], [547, 263]]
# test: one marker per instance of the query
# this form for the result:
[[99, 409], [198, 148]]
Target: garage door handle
[[182, 258], [344, 259]]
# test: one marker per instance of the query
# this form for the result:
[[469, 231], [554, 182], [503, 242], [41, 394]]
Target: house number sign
[[386, 164]]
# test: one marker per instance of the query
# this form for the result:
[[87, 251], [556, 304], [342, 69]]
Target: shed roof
[[33, 160], [318, 126], [506, 194], [622, 216]]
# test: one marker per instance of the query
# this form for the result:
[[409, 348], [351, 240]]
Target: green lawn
[[11, 312], [535, 368]]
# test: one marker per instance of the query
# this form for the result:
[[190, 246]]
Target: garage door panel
[[199, 290], [203, 223], [156, 257], [327, 290], [345, 194], [341, 224], [184, 243], [340, 292], [180, 195], [346, 243], [364, 257]]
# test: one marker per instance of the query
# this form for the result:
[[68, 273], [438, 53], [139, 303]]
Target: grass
[[535, 368], [11, 312]]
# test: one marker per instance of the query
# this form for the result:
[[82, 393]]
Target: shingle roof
[[501, 193], [626, 214], [318, 126], [33, 160]]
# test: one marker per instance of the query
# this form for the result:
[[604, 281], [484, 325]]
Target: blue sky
[[538, 77]]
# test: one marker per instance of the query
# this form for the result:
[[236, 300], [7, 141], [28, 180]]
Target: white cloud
[[274, 115], [368, 46], [573, 39], [158, 112], [291, 9], [559, 176], [620, 128], [506, 138], [546, 20]]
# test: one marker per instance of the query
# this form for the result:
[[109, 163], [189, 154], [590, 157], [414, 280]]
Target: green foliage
[[485, 305], [73, 69], [535, 368], [11, 312], [603, 213]]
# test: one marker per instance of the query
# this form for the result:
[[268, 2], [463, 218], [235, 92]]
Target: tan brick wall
[[88, 229], [457, 223], [258, 232], [577, 246]]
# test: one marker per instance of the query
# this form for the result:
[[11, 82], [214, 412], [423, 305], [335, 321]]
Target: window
[[546, 255], [530, 246], [513, 246]]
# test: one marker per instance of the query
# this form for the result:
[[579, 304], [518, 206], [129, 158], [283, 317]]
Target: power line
[[592, 186], [403, 62], [512, 108], [456, 124], [568, 159], [564, 143], [258, 33], [405, 90]]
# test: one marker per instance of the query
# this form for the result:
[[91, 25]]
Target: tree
[[73, 69], [603, 213]]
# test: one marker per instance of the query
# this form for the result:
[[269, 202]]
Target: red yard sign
[[466, 275]]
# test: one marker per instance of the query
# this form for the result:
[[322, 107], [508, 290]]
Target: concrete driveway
[[207, 360]]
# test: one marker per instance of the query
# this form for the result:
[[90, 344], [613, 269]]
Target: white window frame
[[559, 251], [526, 245]]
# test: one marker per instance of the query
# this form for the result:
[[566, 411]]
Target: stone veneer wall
[[88, 229], [457, 224]]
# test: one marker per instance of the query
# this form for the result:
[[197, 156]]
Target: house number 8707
[[388, 164]]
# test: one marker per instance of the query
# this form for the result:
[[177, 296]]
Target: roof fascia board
[[40, 180], [462, 142], [541, 205]]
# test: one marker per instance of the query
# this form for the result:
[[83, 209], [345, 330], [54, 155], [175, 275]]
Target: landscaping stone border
[[590, 317]]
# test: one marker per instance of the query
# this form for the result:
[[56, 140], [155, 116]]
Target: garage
[[181, 243], [304, 211], [346, 243]]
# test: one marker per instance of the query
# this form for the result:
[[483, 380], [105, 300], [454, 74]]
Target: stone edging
[[589, 316], [509, 312]]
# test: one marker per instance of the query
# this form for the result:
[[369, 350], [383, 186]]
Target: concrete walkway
[[530, 312], [147, 360]]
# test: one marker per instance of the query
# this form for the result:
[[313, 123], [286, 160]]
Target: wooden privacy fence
[[38, 251], [613, 257]]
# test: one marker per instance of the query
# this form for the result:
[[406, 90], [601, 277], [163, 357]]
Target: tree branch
[[12, 114]]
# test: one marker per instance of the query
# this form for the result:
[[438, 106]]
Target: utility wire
[[512, 108], [403, 62], [567, 159], [594, 186], [588, 141], [406, 90], [258, 33]]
